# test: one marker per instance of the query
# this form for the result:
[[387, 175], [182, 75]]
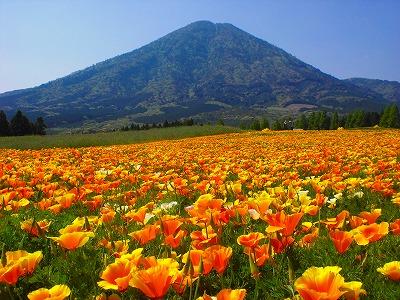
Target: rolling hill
[[204, 70], [390, 90]]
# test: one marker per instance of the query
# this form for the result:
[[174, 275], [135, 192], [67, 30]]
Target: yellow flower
[[353, 290], [391, 270], [320, 283], [57, 292], [73, 240]]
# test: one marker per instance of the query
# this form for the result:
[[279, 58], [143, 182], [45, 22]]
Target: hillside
[[204, 70], [390, 90]]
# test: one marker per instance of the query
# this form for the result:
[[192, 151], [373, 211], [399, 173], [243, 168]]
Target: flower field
[[270, 215]]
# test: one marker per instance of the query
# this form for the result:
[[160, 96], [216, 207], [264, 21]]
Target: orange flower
[[10, 273], [145, 235], [338, 221], [200, 261], [175, 241], [137, 216], [372, 216], [261, 253], [391, 270], [18, 263], [107, 214], [57, 292], [366, 234], [35, 228], [283, 223], [73, 240], [117, 248], [181, 281], [219, 255], [154, 282], [356, 221], [280, 244], [117, 275], [352, 290], [203, 238], [308, 239], [228, 294], [341, 240], [395, 227], [320, 283], [170, 225], [250, 240]]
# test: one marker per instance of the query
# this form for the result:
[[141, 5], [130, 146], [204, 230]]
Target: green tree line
[[165, 124], [322, 120], [389, 118], [21, 125]]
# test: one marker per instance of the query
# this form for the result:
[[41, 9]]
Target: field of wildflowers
[[270, 215]]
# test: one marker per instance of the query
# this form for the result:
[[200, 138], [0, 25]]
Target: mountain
[[390, 90], [204, 70]]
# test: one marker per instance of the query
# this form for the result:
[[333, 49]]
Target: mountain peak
[[204, 70]]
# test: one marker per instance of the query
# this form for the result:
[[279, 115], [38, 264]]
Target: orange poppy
[[338, 221], [201, 263], [170, 225], [17, 264], [250, 240], [219, 256], [57, 292], [308, 239], [356, 221], [341, 240], [320, 283], [372, 216], [366, 234], [117, 275], [145, 235], [137, 216], [175, 240], [280, 244], [73, 240], [203, 238], [395, 227], [261, 254], [353, 290], [154, 282], [281, 222], [181, 281], [391, 270], [228, 294], [35, 228]]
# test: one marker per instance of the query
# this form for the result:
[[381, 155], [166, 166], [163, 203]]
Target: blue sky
[[41, 40]]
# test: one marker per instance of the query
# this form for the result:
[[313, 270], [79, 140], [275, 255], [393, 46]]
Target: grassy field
[[111, 138]]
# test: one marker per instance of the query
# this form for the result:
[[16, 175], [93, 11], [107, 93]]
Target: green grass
[[111, 138]]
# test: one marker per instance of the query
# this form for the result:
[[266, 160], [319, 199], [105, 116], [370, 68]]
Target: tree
[[255, 125], [323, 120], [4, 125], [264, 123], [334, 121], [40, 126], [277, 125], [394, 116], [220, 122], [301, 122], [313, 121], [20, 124]]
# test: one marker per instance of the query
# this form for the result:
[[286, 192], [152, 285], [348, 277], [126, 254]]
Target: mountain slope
[[200, 70], [390, 90]]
